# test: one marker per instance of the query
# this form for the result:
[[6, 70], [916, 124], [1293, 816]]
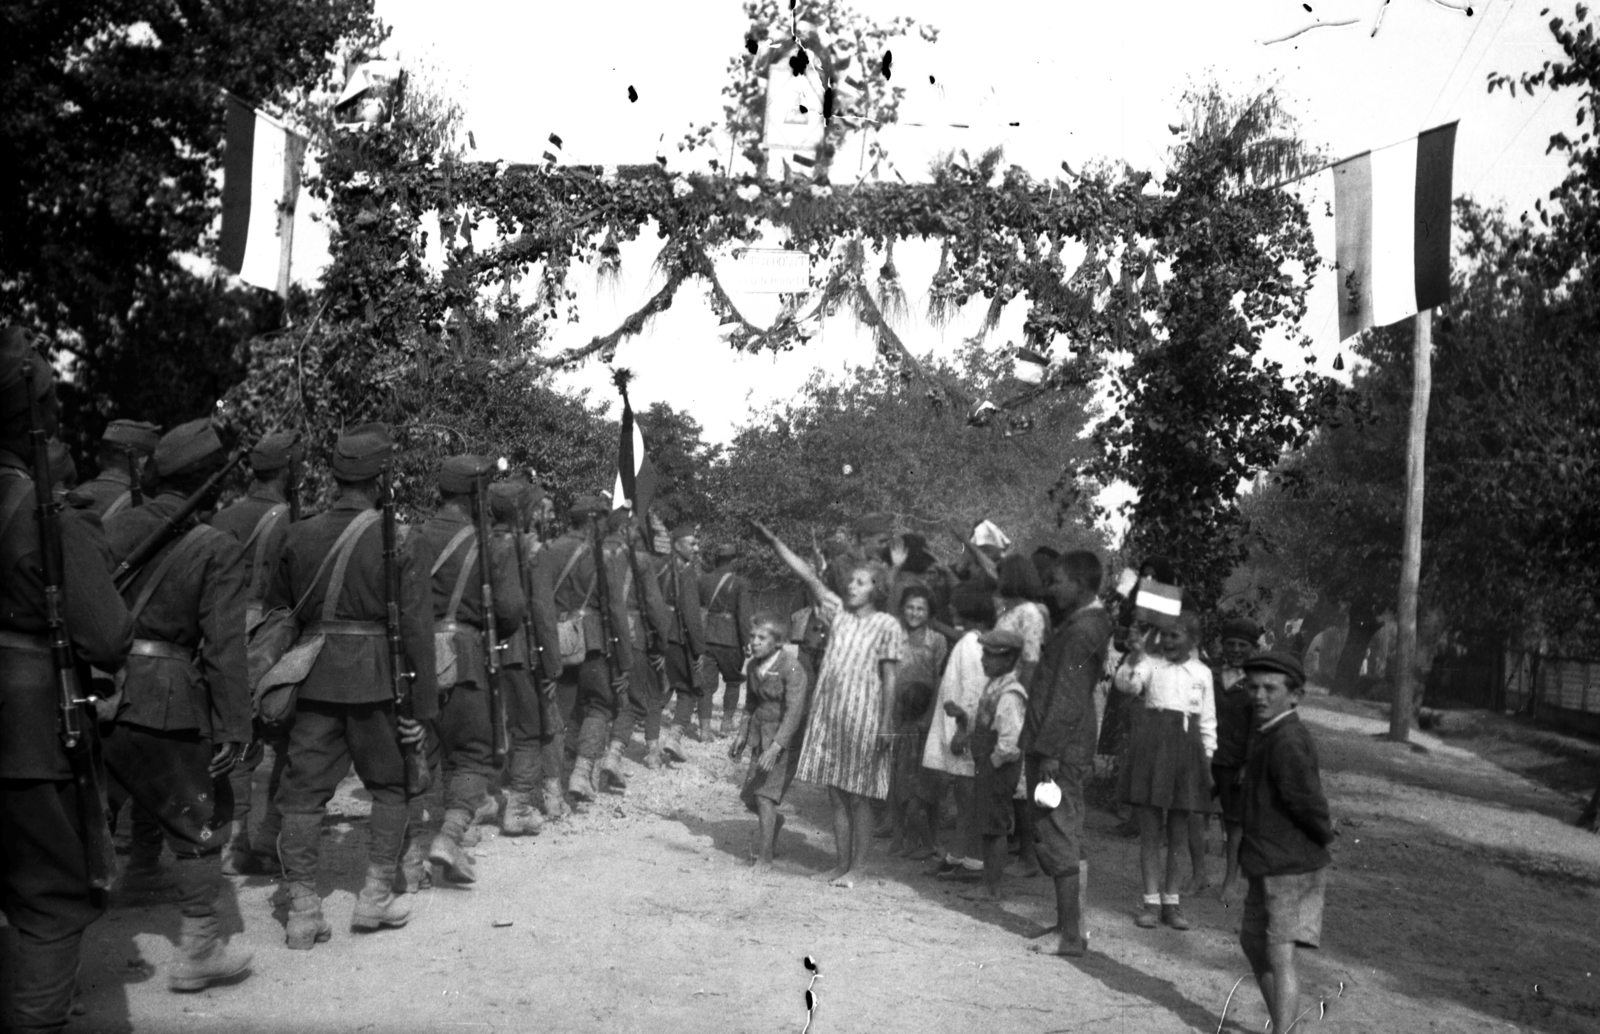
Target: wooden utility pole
[[1405, 683]]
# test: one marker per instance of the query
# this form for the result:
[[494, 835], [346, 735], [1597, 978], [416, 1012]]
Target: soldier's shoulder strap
[[450, 548], [721, 584], [184, 547], [341, 546], [118, 504]]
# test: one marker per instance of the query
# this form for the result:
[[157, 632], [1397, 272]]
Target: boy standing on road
[[1287, 830]]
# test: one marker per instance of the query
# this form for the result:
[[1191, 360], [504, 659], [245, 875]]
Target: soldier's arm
[[222, 653], [416, 625], [694, 623], [543, 607], [509, 601], [96, 614]]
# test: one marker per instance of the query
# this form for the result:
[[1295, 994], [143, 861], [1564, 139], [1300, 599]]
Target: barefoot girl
[[849, 736], [775, 705]]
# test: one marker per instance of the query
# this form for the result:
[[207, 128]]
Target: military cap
[[16, 353], [1241, 628], [507, 498], [1276, 660], [873, 524], [186, 446], [618, 519], [460, 474], [590, 505], [362, 452], [276, 451], [132, 434], [726, 551], [1001, 640], [683, 529]]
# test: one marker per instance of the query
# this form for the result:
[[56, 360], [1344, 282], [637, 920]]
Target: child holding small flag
[[1168, 771]]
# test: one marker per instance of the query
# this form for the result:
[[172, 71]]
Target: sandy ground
[[1460, 901]]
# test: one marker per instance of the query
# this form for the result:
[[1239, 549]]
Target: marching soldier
[[648, 623], [332, 574], [184, 719], [124, 448], [467, 725], [725, 599], [678, 575], [533, 722], [260, 522], [44, 869], [591, 623]]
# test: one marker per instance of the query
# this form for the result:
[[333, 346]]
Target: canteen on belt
[[1047, 795]]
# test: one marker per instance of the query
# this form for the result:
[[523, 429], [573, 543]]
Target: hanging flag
[[261, 183], [1391, 212], [636, 475]]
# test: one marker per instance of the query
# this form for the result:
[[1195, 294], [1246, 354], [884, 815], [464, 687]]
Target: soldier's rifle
[[608, 632], [172, 526], [418, 776], [79, 737], [520, 528], [491, 645], [652, 634]]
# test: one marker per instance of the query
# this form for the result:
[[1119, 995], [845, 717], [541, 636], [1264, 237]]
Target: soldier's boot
[[652, 755], [521, 818], [378, 905], [204, 957], [42, 977], [672, 744], [555, 801], [306, 927], [581, 785], [610, 767], [412, 875], [446, 850]]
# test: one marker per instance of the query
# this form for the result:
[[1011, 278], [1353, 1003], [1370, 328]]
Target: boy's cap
[[132, 434], [1001, 640], [362, 452], [1276, 660], [1241, 628]]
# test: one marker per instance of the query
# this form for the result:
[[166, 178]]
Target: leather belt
[[157, 648], [370, 628], [23, 641], [457, 627]]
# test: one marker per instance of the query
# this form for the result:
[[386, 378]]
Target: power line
[[1507, 149], [1467, 81], [1449, 75]]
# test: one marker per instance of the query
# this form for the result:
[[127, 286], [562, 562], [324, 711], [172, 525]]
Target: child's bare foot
[[1072, 948], [831, 875], [762, 865], [1230, 892]]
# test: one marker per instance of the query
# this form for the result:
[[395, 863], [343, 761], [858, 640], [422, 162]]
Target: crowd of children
[[908, 690]]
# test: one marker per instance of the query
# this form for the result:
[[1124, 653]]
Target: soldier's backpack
[[570, 638]]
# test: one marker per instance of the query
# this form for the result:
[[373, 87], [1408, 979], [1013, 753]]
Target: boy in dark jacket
[[1287, 830], [1235, 717]]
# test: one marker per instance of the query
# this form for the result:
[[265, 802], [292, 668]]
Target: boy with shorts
[[1287, 830]]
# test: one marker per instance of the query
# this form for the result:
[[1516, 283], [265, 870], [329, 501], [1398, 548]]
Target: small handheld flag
[[1158, 604]]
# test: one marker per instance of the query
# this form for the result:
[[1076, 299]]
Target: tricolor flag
[[636, 475], [1157, 603], [1391, 212], [261, 183]]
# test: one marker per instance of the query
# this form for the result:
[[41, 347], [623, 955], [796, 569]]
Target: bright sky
[[1084, 80]]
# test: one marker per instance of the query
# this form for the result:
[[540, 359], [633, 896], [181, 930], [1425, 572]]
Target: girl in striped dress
[[850, 731]]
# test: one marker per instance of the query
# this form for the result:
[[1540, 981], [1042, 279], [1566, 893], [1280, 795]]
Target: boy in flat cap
[[124, 448], [992, 734], [594, 666], [1235, 717], [44, 878], [184, 719], [678, 574], [1287, 830], [533, 723], [725, 602], [260, 523], [331, 574], [465, 725]]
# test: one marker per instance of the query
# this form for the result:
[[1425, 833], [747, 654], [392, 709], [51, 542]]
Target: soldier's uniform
[[44, 877], [649, 622], [346, 713], [678, 576], [126, 444], [185, 699], [586, 691], [725, 602], [260, 522], [465, 724], [533, 721]]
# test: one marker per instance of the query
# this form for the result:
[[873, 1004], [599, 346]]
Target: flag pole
[[1406, 691]]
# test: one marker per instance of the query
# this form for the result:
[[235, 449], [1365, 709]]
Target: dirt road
[[1459, 902]]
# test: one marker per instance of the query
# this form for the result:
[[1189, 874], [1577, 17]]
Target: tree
[[111, 121], [877, 441], [684, 462]]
